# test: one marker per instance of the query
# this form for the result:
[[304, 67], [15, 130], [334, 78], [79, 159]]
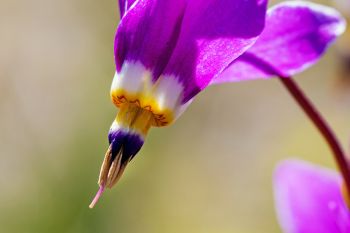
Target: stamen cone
[[126, 138], [112, 168]]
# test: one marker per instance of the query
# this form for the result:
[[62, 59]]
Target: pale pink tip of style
[[97, 197]]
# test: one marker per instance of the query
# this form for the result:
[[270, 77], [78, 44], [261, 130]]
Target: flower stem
[[321, 125]]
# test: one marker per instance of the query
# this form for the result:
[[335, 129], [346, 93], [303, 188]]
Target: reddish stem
[[321, 125]]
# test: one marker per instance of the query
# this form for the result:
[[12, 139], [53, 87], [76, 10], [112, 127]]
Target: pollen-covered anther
[[111, 169]]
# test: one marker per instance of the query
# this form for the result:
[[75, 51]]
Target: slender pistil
[[97, 197], [321, 125]]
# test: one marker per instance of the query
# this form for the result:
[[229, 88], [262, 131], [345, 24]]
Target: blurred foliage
[[209, 172]]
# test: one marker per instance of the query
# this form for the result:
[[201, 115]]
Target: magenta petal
[[213, 34], [308, 199], [148, 33], [189, 40], [295, 36], [124, 5]]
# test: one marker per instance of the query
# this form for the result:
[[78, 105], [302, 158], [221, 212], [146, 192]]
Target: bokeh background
[[210, 172]]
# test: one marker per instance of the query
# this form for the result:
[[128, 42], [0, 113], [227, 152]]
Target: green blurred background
[[210, 172]]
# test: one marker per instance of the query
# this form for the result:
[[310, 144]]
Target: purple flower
[[167, 51], [309, 199]]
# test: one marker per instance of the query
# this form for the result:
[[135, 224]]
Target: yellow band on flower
[[162, 116], [134, 119]]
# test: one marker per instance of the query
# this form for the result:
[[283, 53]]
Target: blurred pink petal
[[308, 199]]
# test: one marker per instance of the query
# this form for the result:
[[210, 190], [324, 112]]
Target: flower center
[[162, 117], [162, 97], [133, 118]]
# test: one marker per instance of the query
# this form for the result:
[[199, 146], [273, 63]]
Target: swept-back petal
[[308, 199], [148, 33], [189, 41], [213, 34], [295, 36], [124, 5]]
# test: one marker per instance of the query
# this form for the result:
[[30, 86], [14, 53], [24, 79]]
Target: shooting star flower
[[166, 52]]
